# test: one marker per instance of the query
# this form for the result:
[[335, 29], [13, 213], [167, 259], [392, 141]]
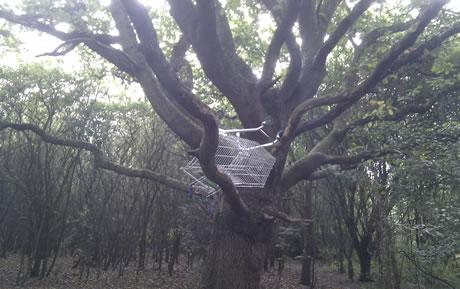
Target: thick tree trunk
[[233, 262], [235, 257]]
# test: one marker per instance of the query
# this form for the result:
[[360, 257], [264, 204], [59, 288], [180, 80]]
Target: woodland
[[359, 102]]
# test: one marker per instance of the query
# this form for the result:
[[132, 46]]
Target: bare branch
[[100, 160], [301, 170], [339, 32], [62, 49], [128, 38], [99, 43]]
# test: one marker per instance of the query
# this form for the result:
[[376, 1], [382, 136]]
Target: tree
[[296, 90]]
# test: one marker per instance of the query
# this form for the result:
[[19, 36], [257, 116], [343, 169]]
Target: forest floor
[[183, 278]]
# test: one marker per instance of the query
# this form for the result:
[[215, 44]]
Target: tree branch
[[427, 45], [314, 20], [275, 213], [396, 116], [189, 102], [100, 160], [305, 168], [396, 50], [181, 122], [280, 36], [372, 36], [348, 97], [62, 48], [226, 70], [360, 157], [320, 58], [99, 43], [180, 65]]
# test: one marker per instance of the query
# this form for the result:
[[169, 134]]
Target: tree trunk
[[340, 249], [348, 253], [174, 258], [364, 263], [307, 276], [236, 254], [142, 249], [34, 272]]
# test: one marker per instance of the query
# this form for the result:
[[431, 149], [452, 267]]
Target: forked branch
[[348, 97]]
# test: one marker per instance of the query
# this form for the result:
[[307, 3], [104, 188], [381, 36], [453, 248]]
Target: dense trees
[[341, 80]]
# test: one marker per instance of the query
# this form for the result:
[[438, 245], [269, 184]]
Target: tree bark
[[236, 254]]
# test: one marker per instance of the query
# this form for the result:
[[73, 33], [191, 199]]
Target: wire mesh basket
[[246, 162]]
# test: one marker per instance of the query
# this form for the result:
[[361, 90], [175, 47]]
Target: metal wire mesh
[[246, 162]]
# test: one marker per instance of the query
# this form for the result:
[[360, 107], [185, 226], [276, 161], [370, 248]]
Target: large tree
[[294, 84]]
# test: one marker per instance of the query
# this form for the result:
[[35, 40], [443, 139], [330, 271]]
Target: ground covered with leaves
[[183, 277]]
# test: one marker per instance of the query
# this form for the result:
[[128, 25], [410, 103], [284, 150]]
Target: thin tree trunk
[[307, 275], [174, 252]]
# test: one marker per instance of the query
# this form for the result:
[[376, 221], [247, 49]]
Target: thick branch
[[185, 98], [177, 118], [100, 160], [222, 66], [314, 19], [323, 119], [305, 168], [280, 36], [301, 169]]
